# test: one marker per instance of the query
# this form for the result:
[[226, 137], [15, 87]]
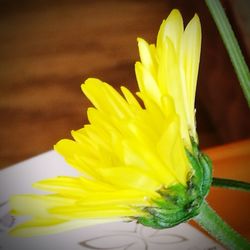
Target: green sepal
[[149, 222], [206, 163], [179, 203], [175, 206], [197, 176], [162, 218], [175, 195], [195, 147], [174, 217], [202, 167]]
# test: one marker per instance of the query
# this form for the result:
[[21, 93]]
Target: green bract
[[179, 203]]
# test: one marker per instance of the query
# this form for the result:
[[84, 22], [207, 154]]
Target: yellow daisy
[[134, 162]]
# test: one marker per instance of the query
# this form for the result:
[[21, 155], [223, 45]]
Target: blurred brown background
[[48, 48]]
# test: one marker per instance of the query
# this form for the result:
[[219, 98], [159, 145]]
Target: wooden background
[[48, 48]]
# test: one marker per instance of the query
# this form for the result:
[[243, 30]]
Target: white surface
[[18, 178]]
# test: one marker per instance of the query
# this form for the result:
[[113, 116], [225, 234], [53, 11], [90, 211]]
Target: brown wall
[[48, 48]]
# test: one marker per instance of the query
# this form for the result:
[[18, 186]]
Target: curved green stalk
[[221, 231], [231, 184], [232, 45]]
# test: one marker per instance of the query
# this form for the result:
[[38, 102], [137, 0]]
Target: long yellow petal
[[189, 60], [172, 28], [46, 226]]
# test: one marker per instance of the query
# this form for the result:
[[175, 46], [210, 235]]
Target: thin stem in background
[[231, 184], [232, 45]]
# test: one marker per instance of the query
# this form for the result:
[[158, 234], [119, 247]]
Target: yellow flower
[[134, 161]]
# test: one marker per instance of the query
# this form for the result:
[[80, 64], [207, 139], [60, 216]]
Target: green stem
[[232, 45], [221, 231], [231, 184]]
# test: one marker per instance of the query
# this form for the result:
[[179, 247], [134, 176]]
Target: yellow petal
[[147, 55], [69, 186], [105, 97], [46, 226], [129, 177], [172, 28], [130, 97], [123, 197], [100, 212], [78, 156], [171, 150], [146, 82], [189, 60], [36, 205]]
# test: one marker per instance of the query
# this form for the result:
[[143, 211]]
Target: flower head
[[134, 162]]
